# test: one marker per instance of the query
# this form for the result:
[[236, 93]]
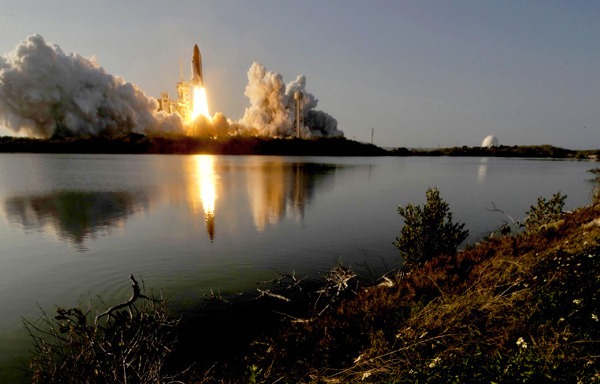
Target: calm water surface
[[73, 226]]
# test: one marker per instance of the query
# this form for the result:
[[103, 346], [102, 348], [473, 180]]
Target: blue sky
[[422, 73]]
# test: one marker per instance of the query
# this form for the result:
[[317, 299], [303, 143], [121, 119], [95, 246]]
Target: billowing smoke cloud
[[271, 110], [44, 91]]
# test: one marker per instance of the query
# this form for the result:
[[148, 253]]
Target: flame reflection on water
[[202, 192]]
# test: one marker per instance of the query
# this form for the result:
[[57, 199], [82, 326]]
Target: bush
[[545, 212], [130, 346], [428, 231]]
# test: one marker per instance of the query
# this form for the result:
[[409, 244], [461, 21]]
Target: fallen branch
[[496, 209], [336, 283], [136, 295], [294, 319], [281, 279], [266, 292], [72, 348]]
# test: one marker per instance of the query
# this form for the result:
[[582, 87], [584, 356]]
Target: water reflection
[[202, 190], [280, 189], [74, 216], [204, 186], [482, 170]]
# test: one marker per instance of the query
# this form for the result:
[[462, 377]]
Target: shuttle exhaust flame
[[199, 102]]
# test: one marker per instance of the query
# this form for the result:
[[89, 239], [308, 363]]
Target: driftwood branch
[[214, 297], [267, 292], [280, 279], [134, 296], [385, 281], [336, 282], [496, 209]]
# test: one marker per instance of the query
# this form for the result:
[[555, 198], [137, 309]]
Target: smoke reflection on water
[[74, 216], [275, 190]]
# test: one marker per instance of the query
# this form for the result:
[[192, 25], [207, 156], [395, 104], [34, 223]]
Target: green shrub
[[545, 212], [428, 231]]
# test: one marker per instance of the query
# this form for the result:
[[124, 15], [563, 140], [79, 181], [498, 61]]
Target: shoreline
[[253, 145]]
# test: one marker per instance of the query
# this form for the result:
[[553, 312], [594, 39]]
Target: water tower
[[298, 115]]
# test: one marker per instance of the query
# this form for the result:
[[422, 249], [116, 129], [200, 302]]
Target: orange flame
[[199, 103]]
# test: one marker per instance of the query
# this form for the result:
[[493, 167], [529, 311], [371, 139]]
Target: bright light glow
[[199, 103], [202, 190], [207, 180]]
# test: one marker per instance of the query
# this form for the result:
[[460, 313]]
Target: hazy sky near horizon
[[421, 73]]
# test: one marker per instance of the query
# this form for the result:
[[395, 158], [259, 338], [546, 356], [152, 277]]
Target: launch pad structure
[[183, 104]]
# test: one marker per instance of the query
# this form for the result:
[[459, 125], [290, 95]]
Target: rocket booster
[[197, 67]]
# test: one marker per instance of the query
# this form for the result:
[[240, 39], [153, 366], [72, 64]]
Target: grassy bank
[[520, 308], [512, 308]]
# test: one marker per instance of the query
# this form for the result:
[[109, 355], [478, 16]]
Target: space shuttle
[[197, 68]]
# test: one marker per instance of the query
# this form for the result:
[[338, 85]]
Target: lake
[[75, 226]]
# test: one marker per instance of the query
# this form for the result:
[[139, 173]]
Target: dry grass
[[515, 308]]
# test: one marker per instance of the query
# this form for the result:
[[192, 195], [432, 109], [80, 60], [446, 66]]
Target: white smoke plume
[[271, 111], [44, 91]]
